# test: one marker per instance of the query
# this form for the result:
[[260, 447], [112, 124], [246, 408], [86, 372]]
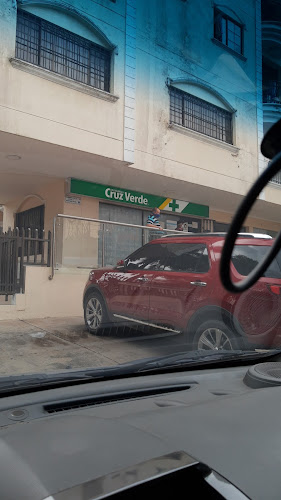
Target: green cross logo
[[174, 205]]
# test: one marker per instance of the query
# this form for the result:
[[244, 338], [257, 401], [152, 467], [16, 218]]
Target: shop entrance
[[120, 241]]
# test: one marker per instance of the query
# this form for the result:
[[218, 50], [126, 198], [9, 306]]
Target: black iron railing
[[17, 250], [272, 92]]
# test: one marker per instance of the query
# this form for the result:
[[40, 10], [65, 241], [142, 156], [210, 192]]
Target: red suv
[[174, 282]]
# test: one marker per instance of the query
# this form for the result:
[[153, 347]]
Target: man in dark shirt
[[179, 226], [152, 219]]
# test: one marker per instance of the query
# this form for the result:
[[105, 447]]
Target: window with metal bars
[[58, 50], [228, 31], [199, 115]]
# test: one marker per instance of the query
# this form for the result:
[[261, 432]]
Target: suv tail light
[[276, 289]]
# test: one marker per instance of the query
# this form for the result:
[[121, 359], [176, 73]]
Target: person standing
[[153, 223], [153, 219], [179, 226]]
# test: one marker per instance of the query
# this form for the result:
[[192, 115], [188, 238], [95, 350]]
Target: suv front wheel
[[95, 314], [215, 335]]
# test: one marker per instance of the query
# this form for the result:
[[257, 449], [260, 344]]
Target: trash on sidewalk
[[38, 335]]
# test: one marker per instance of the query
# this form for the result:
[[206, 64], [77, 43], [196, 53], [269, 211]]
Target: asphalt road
[[51, 344]]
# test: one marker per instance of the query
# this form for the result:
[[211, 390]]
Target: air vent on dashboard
[[263, 375], [75, 404]]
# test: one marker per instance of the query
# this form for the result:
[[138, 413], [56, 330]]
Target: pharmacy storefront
[[124, 205], [132, 207]]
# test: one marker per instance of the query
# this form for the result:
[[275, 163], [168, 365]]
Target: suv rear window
[[187, 258], [246, 257]]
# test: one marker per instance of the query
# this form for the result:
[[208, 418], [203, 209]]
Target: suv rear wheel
[[215, 335], [95, 314]]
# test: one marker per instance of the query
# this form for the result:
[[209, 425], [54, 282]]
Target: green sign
[[136, 198]]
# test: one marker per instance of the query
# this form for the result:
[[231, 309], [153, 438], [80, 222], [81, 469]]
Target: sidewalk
[[51, 344]]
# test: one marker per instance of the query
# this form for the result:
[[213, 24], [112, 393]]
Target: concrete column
[[9, 216]]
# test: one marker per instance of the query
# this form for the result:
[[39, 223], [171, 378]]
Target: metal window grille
[[199, 115], [54, 48], [227, 31]]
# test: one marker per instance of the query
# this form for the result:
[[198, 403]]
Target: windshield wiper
[[204, 358], [184, 360]]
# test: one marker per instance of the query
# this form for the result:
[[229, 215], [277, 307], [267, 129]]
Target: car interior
[[207, 431]]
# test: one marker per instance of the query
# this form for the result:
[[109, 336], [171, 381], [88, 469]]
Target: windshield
[[130, 132]]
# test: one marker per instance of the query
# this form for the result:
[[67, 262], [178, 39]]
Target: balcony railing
[[272, 92]]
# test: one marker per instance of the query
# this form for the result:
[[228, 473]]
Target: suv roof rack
[[241, 235]]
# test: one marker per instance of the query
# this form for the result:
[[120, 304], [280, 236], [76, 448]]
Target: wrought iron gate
[[18, 249]]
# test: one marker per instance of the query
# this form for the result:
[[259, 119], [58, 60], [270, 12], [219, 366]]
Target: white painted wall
[[60, 297]]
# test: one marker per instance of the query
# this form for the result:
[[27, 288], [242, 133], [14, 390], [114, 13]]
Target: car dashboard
[[213, 433]]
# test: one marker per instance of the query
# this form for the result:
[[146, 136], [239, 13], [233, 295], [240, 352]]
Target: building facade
[[110, 107]]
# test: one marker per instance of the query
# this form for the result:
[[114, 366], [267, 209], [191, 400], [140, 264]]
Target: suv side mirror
[[121, 264]]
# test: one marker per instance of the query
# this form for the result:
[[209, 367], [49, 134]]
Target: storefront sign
[[136, 198]]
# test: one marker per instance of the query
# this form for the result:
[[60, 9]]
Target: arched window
[[56, 49], [195, 107]]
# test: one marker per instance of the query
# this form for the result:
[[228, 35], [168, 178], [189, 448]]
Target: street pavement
[[51, 344]]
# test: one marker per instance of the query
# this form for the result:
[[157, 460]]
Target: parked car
[[174, 282]]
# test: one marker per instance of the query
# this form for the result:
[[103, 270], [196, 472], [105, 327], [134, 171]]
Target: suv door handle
[[198, 283], [142, 279]]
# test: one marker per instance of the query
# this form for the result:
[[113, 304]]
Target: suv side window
[[150, 257], [246, 257], [187, 258]]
